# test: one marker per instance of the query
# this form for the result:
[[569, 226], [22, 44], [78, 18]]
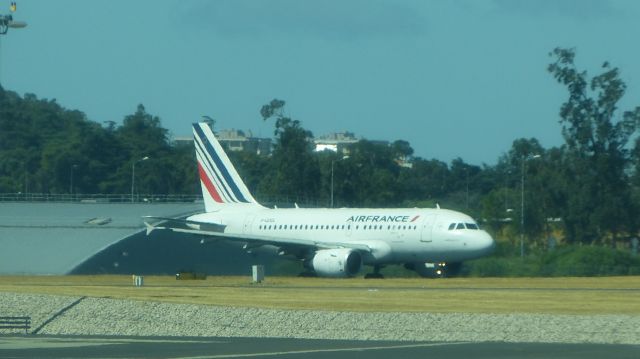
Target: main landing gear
[[376, 273]]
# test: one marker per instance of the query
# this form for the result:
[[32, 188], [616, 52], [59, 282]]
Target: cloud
[[348, 20]]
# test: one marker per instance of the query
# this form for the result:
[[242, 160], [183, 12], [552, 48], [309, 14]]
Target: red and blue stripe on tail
[[221, 184]]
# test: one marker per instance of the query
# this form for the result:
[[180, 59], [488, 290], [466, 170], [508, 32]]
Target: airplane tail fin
[[220, 182]]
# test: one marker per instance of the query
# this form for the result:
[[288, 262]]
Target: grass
[[592, 295]]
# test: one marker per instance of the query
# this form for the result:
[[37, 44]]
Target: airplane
[[330, 242]]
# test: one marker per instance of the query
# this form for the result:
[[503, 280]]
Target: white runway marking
[[315, 351]]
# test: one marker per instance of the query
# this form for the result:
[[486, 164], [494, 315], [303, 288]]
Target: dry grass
[[604, 295]]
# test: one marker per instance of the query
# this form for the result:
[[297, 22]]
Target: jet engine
[[341, 262]]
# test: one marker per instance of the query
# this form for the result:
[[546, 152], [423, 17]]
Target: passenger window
[[452, 226], [460, 226]]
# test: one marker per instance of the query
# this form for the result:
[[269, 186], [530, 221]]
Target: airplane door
[[248, 221], [427, 229]]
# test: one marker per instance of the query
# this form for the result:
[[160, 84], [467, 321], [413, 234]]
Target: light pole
[[6, 22], [466, 172], [26, 178], [71, 179], [133, 174], [524, 160], [332, 163]]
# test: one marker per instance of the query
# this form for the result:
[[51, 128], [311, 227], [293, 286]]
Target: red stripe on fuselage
[[414, 218], [207, 183]]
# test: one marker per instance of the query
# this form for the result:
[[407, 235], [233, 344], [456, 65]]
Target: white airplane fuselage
[[395, 235]]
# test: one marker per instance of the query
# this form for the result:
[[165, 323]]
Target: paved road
[[201, 348]]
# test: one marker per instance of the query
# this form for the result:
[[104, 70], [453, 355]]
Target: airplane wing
[[217, 231]]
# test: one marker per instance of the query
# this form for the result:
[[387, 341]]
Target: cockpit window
[[452, 226], [472, 226], [460, 226]]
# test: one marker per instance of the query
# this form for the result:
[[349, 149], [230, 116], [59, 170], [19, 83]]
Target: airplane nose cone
[[484, 244], [488, 243]]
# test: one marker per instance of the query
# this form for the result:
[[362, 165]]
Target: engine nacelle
[[341, 262]]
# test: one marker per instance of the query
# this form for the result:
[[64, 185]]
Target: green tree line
[[586, 191]]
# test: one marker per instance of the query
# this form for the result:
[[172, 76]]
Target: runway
[[211, 347]]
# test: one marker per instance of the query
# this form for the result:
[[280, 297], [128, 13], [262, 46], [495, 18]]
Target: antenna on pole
[[7, 22]]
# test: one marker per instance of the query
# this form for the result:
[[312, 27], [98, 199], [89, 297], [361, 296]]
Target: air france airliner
[[330, 242]]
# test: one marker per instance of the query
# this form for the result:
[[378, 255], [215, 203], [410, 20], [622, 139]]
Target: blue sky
[[454, 78]]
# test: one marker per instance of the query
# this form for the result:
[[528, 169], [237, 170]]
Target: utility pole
[[133, 175], [71, 180], [332, 163], [524, 160]]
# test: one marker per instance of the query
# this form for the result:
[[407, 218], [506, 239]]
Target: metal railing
[[99, 198], [16, 323], [282, 202]]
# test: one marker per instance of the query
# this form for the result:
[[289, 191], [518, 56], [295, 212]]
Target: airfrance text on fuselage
[[381, 219]]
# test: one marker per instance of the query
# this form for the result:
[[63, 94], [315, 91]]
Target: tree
[[294, 172], [597, 158], [425, 180]]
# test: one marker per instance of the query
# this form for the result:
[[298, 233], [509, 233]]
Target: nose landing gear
[[435, 270]]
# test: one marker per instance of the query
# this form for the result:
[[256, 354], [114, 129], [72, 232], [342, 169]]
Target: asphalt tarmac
[[41, 346]]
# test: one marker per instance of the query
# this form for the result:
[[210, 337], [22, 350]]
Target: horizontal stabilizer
[[150, 227], [182, 224]]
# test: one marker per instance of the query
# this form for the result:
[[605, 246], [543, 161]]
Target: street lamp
[[332, 162], [524, 160], [6, 21], [71, 179], [466, 172], [133, 174]]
